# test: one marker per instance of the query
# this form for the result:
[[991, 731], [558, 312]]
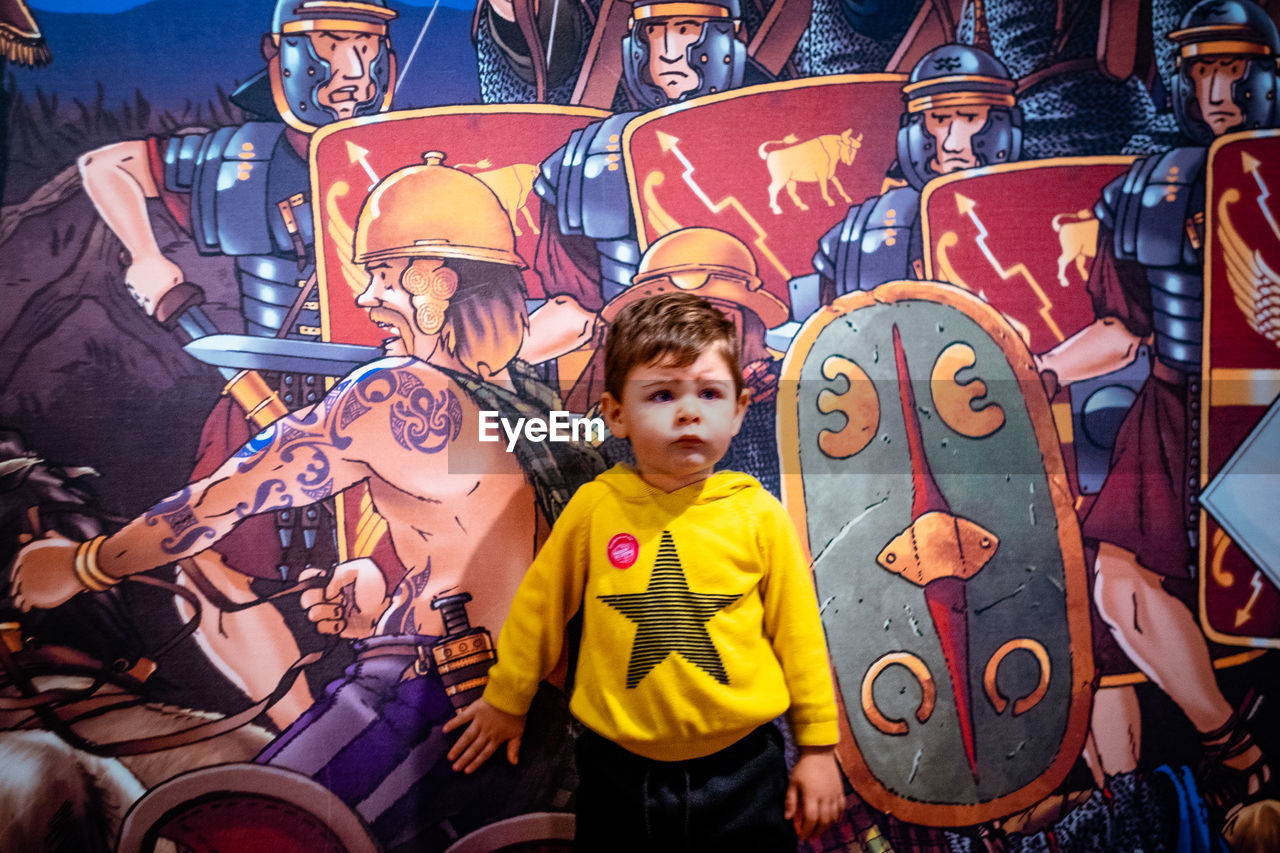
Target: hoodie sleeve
[[532, 637], [794, 627]]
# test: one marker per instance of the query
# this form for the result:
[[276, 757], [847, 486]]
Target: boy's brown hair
[[674, 328]]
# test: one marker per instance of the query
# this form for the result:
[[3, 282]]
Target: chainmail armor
[[1077, 112], [830, 45]]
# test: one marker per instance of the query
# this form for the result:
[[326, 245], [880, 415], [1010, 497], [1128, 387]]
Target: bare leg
[[1161, 636], [1115, 733], [251, 647]]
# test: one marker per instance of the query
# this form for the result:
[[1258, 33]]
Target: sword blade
[[249, 352]]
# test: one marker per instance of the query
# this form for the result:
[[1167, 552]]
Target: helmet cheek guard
[[1254, 94], [635, 70], [916, 149], [298, 74], [718, 58], [1000, 141], [382, 73]]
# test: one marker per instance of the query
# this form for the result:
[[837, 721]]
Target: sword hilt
[[180, 308]]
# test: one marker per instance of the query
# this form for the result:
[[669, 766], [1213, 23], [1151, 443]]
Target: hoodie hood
[[629, 486]]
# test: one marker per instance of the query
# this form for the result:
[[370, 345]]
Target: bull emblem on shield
[[813, 161], [945, 552]]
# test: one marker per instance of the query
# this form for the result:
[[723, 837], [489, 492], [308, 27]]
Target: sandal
[[1223, 786]]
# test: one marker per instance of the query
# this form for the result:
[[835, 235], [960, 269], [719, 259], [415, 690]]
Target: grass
[[47, 133]]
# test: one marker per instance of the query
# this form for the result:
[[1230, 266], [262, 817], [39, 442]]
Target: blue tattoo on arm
[[418, 420], [262, 500], [176, 513]]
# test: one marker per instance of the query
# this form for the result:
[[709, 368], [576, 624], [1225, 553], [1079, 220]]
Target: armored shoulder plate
[[877, 241], [250, 199], [181, 153], [586, 182], [1158, 210], [239, 179], [1158, 221], [826, 261]]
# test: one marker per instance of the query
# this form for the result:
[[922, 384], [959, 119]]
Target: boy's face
[[679, 419]]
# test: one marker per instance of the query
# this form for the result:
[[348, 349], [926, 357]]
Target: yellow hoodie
[[700, 621]]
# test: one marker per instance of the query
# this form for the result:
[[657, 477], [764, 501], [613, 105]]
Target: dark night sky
[[175, 50]]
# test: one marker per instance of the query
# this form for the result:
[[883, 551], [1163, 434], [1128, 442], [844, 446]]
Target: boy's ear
[[611, 409]]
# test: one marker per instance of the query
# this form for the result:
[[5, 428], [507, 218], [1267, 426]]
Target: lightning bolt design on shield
[[671, 145], [1244, 614], [361, 156], [968, 207], [1251, 167]]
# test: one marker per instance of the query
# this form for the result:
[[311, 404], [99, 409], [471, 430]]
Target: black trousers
[[730, 800]]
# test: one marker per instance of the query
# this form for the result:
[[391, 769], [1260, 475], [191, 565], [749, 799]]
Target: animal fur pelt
[[77, 804]]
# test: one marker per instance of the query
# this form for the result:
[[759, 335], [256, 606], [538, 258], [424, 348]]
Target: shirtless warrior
[[445, 286]]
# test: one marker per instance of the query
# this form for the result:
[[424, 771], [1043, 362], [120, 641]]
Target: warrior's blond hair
[[483, 322]]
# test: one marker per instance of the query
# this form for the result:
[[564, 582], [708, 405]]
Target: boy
[[700, 623]]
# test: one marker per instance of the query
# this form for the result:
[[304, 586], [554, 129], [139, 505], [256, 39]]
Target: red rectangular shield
[[776, 165], [1021, 236], [1239, 605]]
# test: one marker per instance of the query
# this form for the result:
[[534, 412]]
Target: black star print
[[670, 618]]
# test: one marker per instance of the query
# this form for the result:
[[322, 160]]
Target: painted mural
[[301, 354]]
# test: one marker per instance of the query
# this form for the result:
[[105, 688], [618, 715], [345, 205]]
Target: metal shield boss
[[924, 470]]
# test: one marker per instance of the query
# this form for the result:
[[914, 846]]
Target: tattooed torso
[[459, 512]]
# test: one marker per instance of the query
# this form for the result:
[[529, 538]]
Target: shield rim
[[166, 800], [733, 94], [1076, 581], [1258, 644]]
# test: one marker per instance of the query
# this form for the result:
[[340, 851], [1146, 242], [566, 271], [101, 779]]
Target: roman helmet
[[717, 57], [709, 262], [434, 211], [958, 75], [297, 73], [1224, 29]]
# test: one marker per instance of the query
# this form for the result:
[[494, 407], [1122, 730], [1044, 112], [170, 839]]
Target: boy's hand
[[815, 797], [487, 729]]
